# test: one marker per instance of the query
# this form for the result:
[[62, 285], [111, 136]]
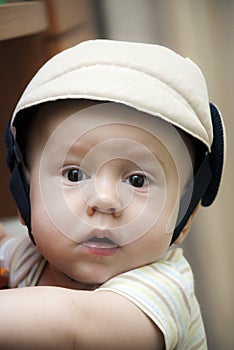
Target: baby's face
[[105, 185]]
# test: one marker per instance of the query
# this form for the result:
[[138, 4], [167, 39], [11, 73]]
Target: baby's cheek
[[39, 216]]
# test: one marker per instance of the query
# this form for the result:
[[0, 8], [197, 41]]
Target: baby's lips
[[99, 246], [103, 242]]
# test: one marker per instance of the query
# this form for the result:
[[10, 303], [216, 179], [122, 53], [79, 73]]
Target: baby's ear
[[187, 227]]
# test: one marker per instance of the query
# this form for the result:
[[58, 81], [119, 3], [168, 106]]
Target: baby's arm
[[56, 318]]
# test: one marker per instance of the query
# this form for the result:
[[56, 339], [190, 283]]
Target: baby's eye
[[138, 180], [74, 175]]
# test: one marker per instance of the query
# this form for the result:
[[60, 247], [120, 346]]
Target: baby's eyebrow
[[78, 148]]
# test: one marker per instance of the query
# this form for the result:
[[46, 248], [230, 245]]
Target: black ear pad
[[18, 185], [216, 157], [199, 185], [207, 178], [10, 148], [20, 192]]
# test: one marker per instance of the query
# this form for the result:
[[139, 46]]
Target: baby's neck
[[52, 277]]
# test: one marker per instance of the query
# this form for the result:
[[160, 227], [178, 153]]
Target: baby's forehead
[[88, 123], [86, 116]]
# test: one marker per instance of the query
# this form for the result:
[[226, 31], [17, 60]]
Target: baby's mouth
[[99, 246], [99, 243]]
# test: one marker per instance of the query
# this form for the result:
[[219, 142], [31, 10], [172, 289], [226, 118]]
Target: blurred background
[[33, 31]]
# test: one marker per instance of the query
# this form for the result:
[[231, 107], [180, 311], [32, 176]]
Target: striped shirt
[[164, 290]]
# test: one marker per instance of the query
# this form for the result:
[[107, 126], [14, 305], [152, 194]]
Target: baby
[[112, 148]]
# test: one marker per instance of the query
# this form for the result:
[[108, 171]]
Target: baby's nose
[[105, 197]]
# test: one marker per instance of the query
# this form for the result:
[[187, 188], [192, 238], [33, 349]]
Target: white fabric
[[22, 260], [150, 78]]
